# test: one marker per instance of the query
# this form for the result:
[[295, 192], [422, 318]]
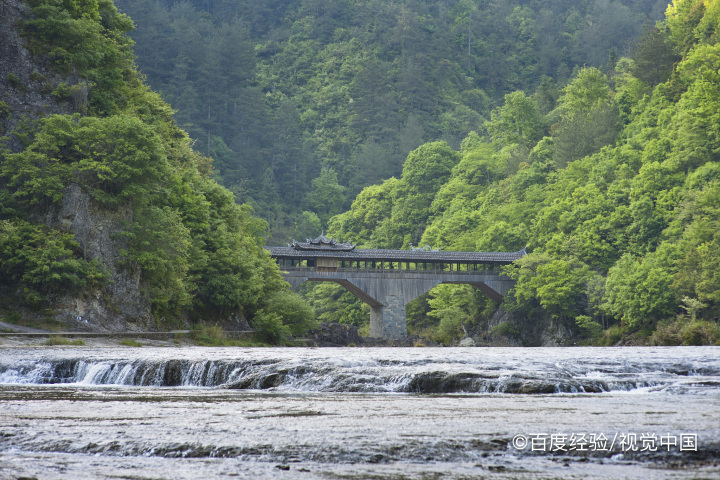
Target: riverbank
[[21, 341]]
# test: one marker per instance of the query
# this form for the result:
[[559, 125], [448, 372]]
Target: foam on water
[[439, 370]]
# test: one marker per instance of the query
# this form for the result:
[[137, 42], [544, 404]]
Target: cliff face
[[120, 305], [26, 86]]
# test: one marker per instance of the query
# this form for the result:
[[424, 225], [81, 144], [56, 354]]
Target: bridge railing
[[303, 269]]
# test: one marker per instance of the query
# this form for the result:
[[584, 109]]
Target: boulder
[[467, 342], [336, 334]]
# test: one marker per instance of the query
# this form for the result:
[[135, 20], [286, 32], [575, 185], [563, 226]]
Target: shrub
[[591, 328], [41, 261], [699, 333], [506, 329], [62, 92], [666, 334], [269, 327], [295, 312], [15, 81], [680, 332], [4, 110], [60, 340], [208, 335], [611, 336], [36, 76]]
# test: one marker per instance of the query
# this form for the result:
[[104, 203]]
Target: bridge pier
[[388, 321]]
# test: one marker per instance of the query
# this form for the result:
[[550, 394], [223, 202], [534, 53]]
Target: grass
[[214, 336], [42, 320], [129, 342], [60, 340]]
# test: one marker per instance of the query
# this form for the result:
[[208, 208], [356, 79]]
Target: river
[[359, 413]]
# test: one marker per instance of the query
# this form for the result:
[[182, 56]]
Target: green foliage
[[639, 291], [62, 91], [86, 38], [308, 225], [678, 332], [371, 207], [130, 342], [653, 57], [208, 335], [334, 304], [612, 336], [456, 310], [424, 172], [159, 244], [517, 122], [15, 82], [279, 93], [557, 285], [269, 327], [115, 158], [327, 197], [198, 252], [40, 262], [606, 174], [617, 202], [505, 329], [591, 328], [296, 313], [55, 340], [588, 90]]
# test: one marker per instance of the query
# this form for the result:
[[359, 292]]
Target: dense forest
[[613, 186], [302, 104], [585, 132]]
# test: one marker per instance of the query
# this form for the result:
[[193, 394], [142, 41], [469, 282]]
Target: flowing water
[[359, 413]]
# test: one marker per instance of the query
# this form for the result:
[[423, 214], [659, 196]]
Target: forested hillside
[[614, 188], [107, 214], [302, 104], [583, 131]]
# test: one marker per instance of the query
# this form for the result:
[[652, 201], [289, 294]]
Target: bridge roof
[[399, 255]]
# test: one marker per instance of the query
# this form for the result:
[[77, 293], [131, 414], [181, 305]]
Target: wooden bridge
[[387, 280]]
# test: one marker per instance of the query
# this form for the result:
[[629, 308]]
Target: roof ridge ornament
[[322, 243]]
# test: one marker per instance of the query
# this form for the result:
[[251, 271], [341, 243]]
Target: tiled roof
[[399, 255]]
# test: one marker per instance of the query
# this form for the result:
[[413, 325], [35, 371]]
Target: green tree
[[653, 57], [296, 313], [40, 262], [638, 290], [326, 196], [424, 172], [588, 90], [519, 121]]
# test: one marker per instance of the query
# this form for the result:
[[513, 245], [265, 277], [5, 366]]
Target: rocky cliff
[[26, 92]]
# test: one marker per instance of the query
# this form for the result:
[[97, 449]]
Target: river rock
[[466, 342], [336, 334]]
